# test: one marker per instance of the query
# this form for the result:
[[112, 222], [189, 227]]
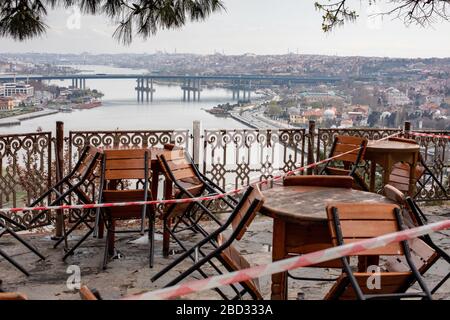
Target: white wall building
[[17, 89], [2, 90], [395, 97]]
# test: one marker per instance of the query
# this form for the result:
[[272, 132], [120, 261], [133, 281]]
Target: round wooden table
[[300, 221], [386, 153]]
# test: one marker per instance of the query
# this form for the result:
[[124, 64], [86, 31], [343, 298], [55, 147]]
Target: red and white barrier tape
[[290, 264], [186, 200], [421, 134]]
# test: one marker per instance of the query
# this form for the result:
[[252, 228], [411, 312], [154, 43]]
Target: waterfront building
[[6, 103], [17, 89]]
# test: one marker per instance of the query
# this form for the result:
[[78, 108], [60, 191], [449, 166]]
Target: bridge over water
[[190, 84]]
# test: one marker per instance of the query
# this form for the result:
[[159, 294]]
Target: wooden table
[[387, 153], [300, 221]]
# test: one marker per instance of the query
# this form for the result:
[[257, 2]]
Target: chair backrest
[[127, 164], [85, 164], [363, 221], [394, 194], [400, 175], [343, 144], [176, 165], [410, 218], [319, 181], [236, 261], [88, 294], [246, 210]]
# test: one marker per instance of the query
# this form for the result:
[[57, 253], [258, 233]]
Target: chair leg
[[14, 263], [166, 236], [440, 283], [151, 239], [22, 241], [75, 226], [106, 253], [70, 252]]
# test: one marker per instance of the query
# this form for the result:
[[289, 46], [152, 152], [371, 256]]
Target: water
[[120, 110]]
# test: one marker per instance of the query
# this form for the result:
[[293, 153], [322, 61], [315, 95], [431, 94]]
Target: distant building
[[395, 97], [2, 90], [6, 103], [321, 97], [17, 89]]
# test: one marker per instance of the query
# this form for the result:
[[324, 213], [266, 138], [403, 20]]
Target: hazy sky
[[256, 26]]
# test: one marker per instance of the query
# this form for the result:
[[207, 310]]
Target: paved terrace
[[131, 274]]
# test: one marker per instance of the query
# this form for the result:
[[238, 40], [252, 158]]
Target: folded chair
[[119, 166], [69, 186], [72, 183], [222, 247], [414, 217], [180, 171], [399, 177], [11, 296], [341, 145], [4, 229], [354, 222], [319, 181], [87, 294]]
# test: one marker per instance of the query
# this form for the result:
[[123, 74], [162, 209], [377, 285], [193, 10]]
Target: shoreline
[[17, 120]]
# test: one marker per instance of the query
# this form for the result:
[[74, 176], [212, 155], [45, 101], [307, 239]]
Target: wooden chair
[[119, 166], [87, 294], [12, 296], [429, 252], [180, 171], [319, 181], [4, 229], [223, 249], [354, 222], [72, 185], [341, 145], [400, 174]]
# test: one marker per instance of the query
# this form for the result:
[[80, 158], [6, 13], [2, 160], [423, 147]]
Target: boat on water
[[94, 103], [66, 108]]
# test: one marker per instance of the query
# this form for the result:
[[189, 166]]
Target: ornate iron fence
[[238, 157], [231, 158], [325, 138], [25, 172], [435, 153], [119, 139]]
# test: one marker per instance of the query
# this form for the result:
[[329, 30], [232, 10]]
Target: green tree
[[25, 19]]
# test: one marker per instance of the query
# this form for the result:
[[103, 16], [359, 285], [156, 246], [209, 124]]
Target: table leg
[[279, 280], [412, 175], [387, 170], [373, 168]]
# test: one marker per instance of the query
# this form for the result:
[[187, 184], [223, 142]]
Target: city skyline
[[249, 27]]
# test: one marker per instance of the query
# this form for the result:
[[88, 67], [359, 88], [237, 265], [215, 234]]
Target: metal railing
[[231, 158]]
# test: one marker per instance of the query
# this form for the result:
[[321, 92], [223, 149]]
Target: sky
[[251, 26]]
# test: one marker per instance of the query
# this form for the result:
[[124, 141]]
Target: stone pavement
[[130, 274]]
